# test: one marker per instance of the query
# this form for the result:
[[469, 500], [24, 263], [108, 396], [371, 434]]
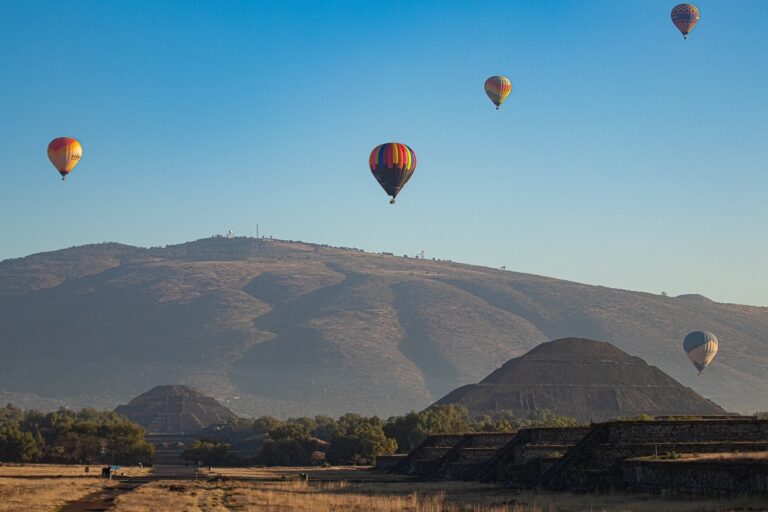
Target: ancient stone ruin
[[699, 455], [599, 460], [466, 456], [428, 452], [522, 461], [175, 410], [584, 379]]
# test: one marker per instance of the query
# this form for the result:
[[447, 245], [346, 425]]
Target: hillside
[[583, 379], [287, 328]]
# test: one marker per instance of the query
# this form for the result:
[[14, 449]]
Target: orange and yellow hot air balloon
[[64, 153], [498, 88]]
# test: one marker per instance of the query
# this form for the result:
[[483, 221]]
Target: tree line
[[64, 436], [350, 439]]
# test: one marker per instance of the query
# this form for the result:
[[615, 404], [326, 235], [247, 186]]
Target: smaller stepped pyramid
[[585, 379], [175, 410]]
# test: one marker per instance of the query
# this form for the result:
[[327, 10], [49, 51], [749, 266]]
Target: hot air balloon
[[700, 347], [498, 88], [685, 17], [64, 153], [392, 164]]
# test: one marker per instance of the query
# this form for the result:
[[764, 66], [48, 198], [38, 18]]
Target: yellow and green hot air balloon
[[498, 88], [700, 347], [64, 153]]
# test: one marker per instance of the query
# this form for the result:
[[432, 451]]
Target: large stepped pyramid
[[175, 410], [584, 379]]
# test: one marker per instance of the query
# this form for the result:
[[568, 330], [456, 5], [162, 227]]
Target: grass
[[25, 494], [328, 490], [59, 471], [341, 496], [760, 457]]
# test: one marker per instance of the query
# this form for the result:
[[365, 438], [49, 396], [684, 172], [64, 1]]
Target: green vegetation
[[208, 452], [67, 437], [639, 417], [351, 439], [410, 430]]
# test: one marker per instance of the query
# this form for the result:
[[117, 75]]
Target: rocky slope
[[287, 328]]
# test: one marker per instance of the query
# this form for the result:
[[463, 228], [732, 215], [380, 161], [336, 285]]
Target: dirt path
[[105, 498], [101, 500]]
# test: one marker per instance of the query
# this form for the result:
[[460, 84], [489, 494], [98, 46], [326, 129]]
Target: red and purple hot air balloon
[[392, 164], [685, 17]]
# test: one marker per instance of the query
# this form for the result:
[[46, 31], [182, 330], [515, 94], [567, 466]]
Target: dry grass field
[[59, 471], [42, 494], [334, 489], [42, 487], [392, 497], [757, 457]]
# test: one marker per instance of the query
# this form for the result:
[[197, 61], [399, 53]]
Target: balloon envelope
[[685, 17], [392, 164], [700, 347], [64, 153], [498, 88]]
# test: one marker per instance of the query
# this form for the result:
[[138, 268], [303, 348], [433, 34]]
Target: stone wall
[[596, 462], [687, 430], [429, 451], [466, 456], [385, 462], [521, 461], [696, 477]]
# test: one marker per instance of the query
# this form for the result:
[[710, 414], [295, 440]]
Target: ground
[[166, 489]]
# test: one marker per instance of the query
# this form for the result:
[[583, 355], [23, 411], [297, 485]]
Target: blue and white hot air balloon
[[700, 347]]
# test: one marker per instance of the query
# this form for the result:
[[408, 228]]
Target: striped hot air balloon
[[392, 164], [498, 88], [64, 153], [700, 347], [685, 17]]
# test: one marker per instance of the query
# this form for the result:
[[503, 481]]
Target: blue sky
[[625, 156]]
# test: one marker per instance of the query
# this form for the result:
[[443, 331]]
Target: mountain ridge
[[293, 328]]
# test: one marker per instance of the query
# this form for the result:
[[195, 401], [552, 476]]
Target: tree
[[211, 453], [264, 424], [19, 446], [66, 436], [359, 440], [410, 430]]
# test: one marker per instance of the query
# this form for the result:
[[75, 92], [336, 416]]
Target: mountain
[[175, 410], [289, 328], [585, 379]]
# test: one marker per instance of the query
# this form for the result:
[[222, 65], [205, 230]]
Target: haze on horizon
[[625, 156]]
